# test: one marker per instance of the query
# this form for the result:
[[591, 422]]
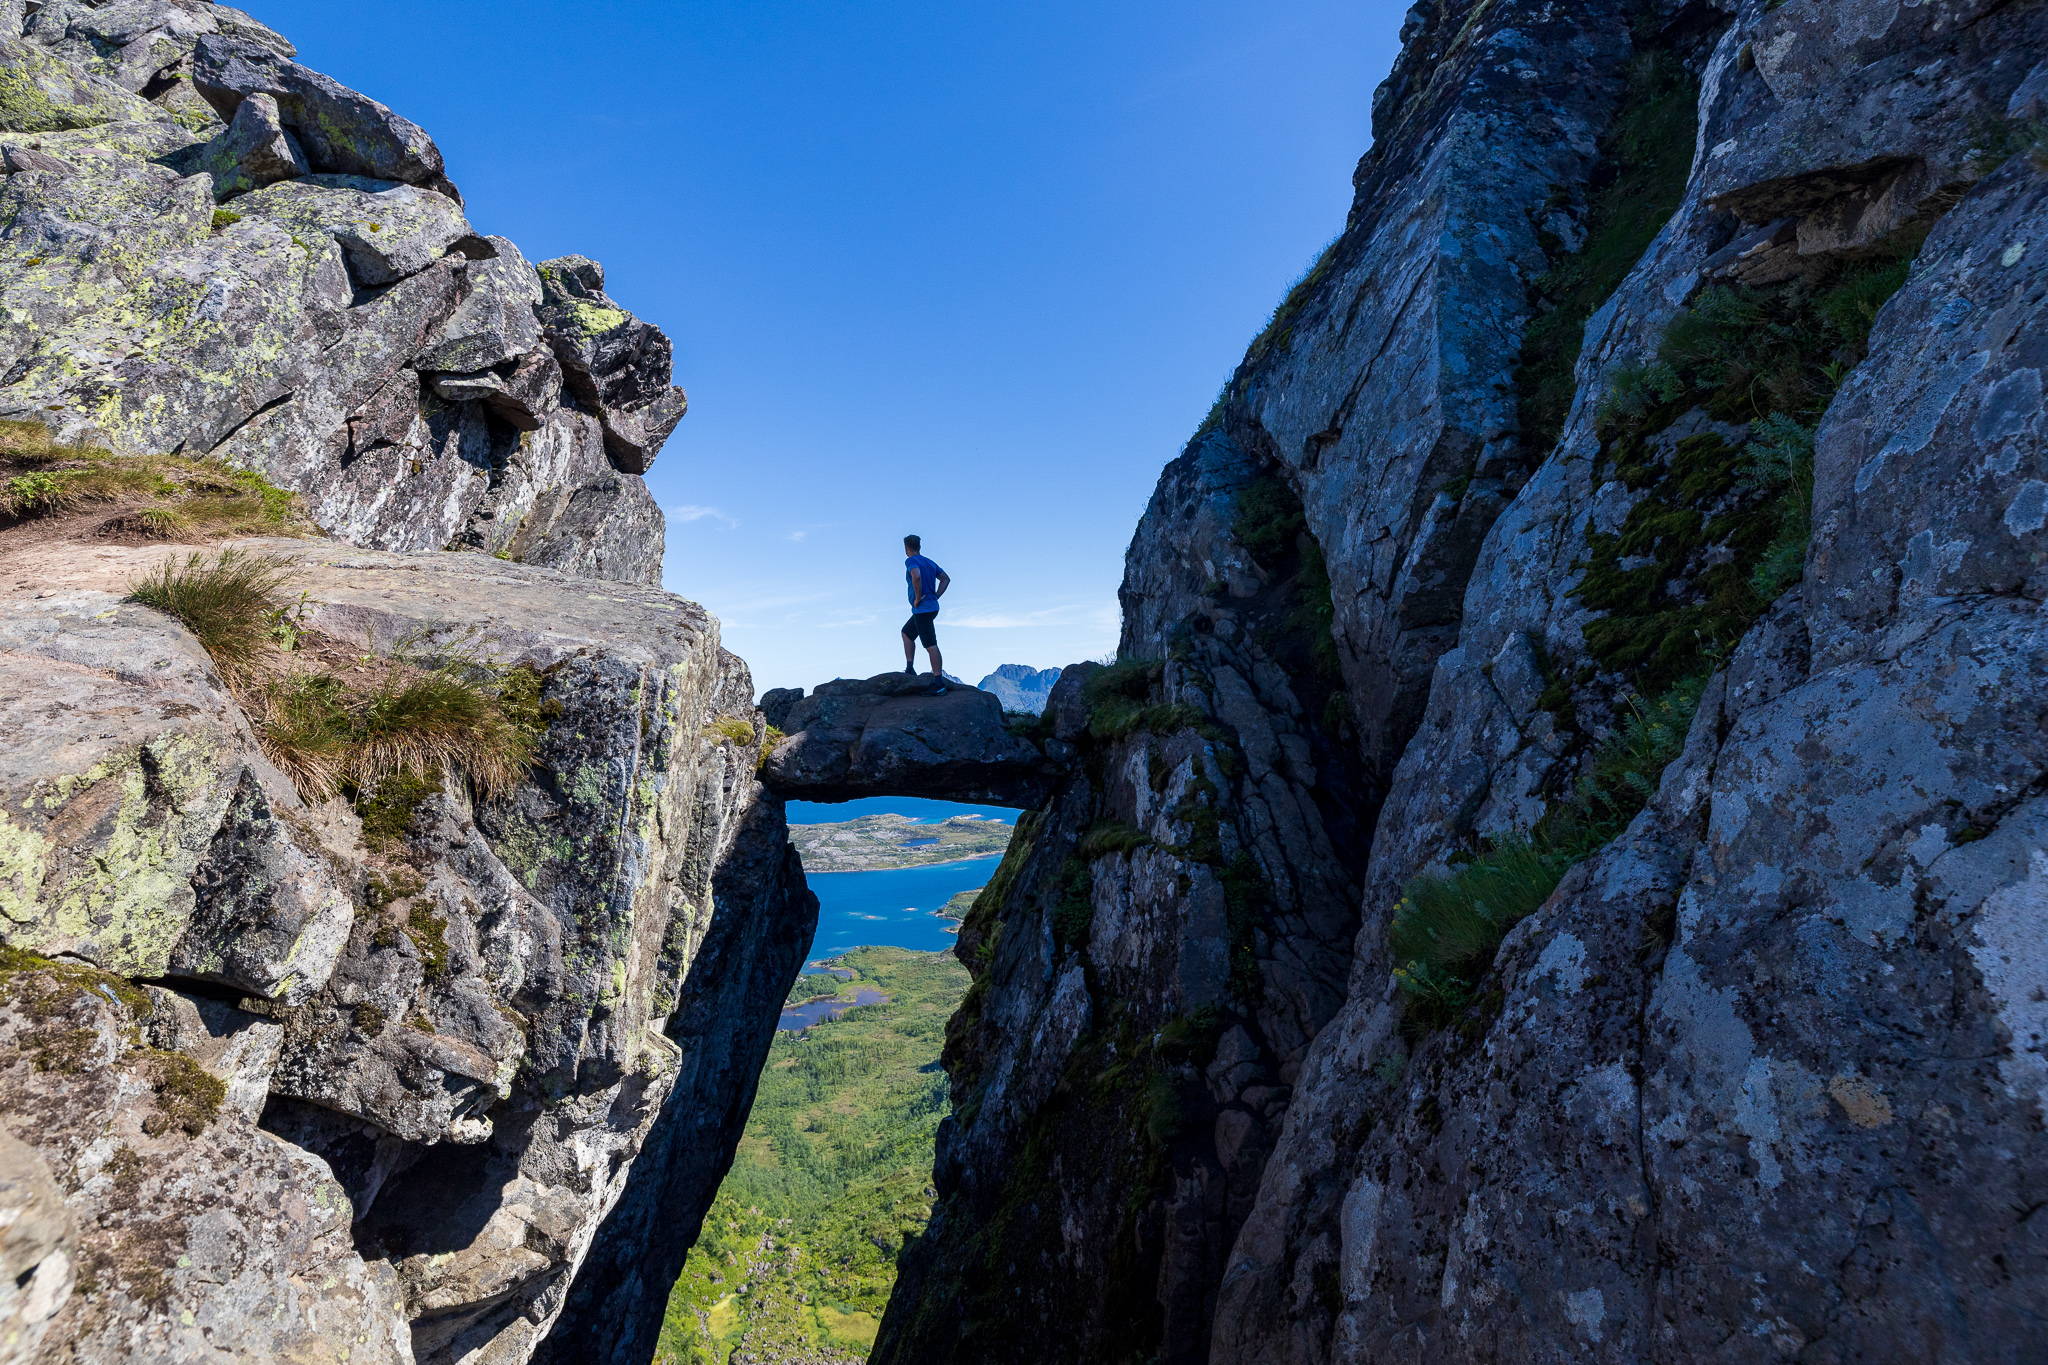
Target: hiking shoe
[[909, 671]]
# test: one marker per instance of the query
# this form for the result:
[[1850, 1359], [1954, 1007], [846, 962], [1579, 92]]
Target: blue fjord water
[[892, 909]]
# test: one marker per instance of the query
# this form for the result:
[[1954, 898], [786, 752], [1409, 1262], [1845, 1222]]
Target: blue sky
[[973, 271]]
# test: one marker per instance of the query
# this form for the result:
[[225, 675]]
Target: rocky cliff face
[[208, 249], [301, 1062], [1555, 878]]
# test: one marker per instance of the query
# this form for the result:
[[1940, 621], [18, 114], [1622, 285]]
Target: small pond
[[817, 1011]]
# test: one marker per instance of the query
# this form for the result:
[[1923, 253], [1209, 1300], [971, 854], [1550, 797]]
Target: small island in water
[[880, 843]]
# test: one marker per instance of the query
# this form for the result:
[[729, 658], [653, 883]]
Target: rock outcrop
[[1760, 1078], [296, 1064], [207, 248], [899, 735]]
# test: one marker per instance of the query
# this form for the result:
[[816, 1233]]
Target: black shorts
[[919, 628]]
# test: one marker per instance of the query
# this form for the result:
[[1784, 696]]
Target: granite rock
[[454, 1030], [617, 365], [344, 133], [253, 151], [196, 1232], [340, 328], [38, 1249]]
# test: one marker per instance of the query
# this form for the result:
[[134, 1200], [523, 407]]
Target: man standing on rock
[[928, 583]]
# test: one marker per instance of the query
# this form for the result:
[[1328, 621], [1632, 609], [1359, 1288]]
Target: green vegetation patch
[[387, 809], [831, 1180], [1273, 529], [1645, 159], [731, 730], [188, 1096], [1721, 525], [1073, 904], [1718, 530], [166, 496], [1448, 925], [385, 739], [228, 602], [1119, 702]]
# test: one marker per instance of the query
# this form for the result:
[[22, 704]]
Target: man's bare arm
[[944, 583], [916, 586]]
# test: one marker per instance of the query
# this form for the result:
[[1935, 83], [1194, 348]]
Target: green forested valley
[[798, 1252]]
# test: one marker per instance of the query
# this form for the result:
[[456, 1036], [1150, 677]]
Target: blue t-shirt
[[925, 597]]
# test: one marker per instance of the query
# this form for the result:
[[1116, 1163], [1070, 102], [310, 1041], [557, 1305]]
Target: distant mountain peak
[[1020, 686]]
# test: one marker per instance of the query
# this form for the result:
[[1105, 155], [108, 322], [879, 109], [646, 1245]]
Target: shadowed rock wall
[[1759, 1080]]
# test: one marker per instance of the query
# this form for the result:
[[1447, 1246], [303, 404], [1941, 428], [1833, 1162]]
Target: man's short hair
[[913, 542]]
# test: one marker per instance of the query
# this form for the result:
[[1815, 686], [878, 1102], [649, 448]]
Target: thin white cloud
[[1072, 614], [692, 512], [796, 535], [855, 621]]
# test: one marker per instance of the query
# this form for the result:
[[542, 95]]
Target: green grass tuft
[[1105, 837], [1452, 922], [731, 729], [1448, 925], [177, 496], [227, 602]]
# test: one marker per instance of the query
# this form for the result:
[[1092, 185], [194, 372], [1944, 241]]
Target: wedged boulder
[[198, 1236], [387, 231], [495, 322], [253, 151], [41, 93], [620, 366], [890, 736], [137, 816], [344, 133]]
